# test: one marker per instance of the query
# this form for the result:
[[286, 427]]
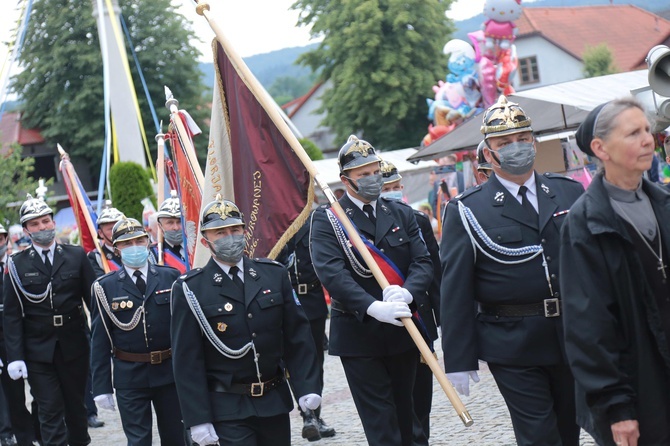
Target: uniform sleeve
[[299, 350], [188, 361], [457, 295], [94, 259], [593, 341], [101, 350], [88, 277], [331, 267], [12, 322]]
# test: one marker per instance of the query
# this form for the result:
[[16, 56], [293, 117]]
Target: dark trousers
[[541, 402], [381, 387], [423, 401], [255, 431], [135, 411], [59, 387], [20, 419], [318, 329]]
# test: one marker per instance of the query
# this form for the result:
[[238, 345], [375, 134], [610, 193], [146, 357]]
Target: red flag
[[86, 239], [189, 189], [250, 162]]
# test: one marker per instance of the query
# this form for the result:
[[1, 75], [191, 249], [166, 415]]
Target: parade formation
[[208, 322]]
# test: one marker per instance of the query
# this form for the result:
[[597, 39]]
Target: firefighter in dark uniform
[[235, 324], [45, 291], [131, 335], [169, 220], [378, 355], [106, 221], [501, 301], [15, 391], [307, 286], [428, 306]]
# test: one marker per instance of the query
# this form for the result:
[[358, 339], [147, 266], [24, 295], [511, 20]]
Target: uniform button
[[400, 239], [298, 260], [220, 310], [250, 316], [382, 249], [548, 258], [253, 335], [500, 237], [272, 300], [356, 312], [553, 276], [557, 294], [300, 274], [543, 241]]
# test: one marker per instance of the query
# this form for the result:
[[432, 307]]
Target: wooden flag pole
[[173, 105], [75, 189], [271, 108], [160, 170]]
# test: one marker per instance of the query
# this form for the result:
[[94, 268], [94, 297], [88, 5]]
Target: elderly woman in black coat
[[615, 246]]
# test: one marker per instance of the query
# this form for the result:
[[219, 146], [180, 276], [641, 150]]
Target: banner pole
[[160, 171], [270, 107]]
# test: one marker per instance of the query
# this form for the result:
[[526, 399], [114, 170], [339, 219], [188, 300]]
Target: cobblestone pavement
[[491, 426]]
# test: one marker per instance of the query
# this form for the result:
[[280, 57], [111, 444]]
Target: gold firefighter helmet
[[127, 229], [505, 118], [389, 172], [356, 153]]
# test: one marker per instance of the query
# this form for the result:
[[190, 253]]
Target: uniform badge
[[59, 249], [129, 304], [268, 291], [499, 197], [228, 306], [123, 304], [253, 273], [218, 278], [396, 229], [115, 306], [109, 256], [545, 188], [348, 211], [384, 208], [221, 326]]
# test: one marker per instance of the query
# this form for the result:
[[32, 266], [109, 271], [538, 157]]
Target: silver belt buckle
[[552, 308], [58, 320], [302, 288], [257, 389]]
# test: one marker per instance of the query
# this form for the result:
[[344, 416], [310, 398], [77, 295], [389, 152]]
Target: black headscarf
[[585, 131]]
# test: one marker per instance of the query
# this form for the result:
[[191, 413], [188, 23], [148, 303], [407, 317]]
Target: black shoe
[[310, 427], [325, 430], [94, 422]]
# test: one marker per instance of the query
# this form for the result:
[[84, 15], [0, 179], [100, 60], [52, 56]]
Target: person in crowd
[[427, 210], [298, 260], [237, 331], [131, 340], [106, 221], [614, 277], [500, 293], [46, 330], [483, 166], [428, 306], [378, 355]]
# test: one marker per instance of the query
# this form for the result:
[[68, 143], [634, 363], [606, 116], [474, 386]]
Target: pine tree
[[383, 56], [130, 185]]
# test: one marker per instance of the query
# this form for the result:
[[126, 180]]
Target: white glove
[[389, 311], [310, 401], [2, 364], [396, 293], [17, 369], [461, 381], [204, 434], [105, 401]]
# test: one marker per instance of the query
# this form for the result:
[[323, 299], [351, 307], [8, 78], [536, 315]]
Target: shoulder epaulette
[[559, 176], [467, 192], [104, 275], [267, 261], [393, 200], [192, 273]]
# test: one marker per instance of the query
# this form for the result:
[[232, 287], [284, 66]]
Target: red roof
[[11, 131], [629, 32], [293, 106]]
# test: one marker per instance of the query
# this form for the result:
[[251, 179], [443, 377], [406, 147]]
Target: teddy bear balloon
[[499, 28]]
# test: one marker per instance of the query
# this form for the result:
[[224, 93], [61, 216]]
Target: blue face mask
[[393, 194], [134, 256]]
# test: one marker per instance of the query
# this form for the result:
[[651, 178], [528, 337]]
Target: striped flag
[[250, 162], [81, 205]]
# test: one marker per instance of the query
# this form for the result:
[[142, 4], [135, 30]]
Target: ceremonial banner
[[250, 162], [80, 204], [188, 187]]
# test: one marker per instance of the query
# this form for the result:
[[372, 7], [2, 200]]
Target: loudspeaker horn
[[658, 61]]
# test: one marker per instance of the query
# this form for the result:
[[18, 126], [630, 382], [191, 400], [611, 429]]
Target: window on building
[[529, 71]]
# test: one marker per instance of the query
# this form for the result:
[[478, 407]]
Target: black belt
[[58, 320], [252, 389], [546, 308], [304, 288]]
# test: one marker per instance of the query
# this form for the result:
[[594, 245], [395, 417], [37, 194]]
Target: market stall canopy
[[553, 108]]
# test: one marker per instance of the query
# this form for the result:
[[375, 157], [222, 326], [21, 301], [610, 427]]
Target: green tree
[[61, 84], [286, 88], [311, 149], [382, 57], [598, 61], [15, 181], [130, 184]]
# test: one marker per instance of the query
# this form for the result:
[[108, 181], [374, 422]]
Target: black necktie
[[236, 278], [371, 213], [47, 262], [139, 282], [527, 204]]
